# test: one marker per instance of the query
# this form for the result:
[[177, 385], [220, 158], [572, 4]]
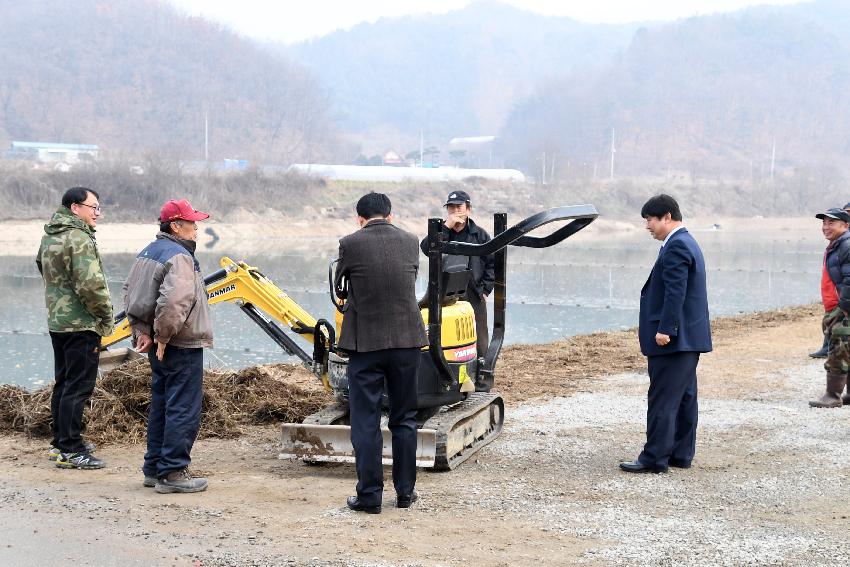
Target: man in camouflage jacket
[[79, 313]]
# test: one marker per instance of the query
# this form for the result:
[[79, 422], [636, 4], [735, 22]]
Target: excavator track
[[443, 442], [464, 428]]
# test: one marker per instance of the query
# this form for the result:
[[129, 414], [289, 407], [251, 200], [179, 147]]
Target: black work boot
[[820, 353], [835, 382], [824, 350]]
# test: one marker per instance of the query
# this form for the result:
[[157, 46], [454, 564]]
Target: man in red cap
[[166, 304]]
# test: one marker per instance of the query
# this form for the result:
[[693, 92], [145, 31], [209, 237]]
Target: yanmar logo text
[[221, 291], [466, 353]]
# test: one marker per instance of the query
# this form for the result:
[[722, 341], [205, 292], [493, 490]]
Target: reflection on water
[[577, 287]]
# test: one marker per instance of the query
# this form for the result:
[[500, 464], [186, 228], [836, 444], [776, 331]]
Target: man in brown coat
[[166, 304], [383, 333]]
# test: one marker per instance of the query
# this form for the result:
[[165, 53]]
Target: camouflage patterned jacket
[[76, 293]]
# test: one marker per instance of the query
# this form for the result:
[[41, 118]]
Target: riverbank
[[764, 490], [275, 232]]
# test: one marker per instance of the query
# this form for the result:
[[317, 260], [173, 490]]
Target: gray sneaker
[[79, 461], [54, 452], [180, 481], [149, 482]]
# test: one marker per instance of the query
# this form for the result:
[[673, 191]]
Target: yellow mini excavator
[[454, 419]]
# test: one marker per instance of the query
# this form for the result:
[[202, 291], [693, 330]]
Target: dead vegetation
[[118, 408], [564, 367]]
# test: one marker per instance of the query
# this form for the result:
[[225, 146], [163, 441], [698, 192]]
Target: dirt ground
[[767, 486]]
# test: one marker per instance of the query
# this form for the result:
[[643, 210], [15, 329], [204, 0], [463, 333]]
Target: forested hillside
[[708, 96], [456, 74], [136, 78]]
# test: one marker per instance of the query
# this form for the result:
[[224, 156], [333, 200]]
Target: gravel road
[[768, 487]]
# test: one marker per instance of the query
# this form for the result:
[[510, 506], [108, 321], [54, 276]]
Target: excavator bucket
[[113, 358], [332, 443]]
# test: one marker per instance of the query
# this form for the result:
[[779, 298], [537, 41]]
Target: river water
[[575, 287]]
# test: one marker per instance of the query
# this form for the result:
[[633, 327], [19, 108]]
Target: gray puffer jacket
[[165, 297]]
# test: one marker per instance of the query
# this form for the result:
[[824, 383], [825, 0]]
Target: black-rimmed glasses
[[95, 208]]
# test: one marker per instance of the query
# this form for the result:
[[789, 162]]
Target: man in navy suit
[[674, 329]]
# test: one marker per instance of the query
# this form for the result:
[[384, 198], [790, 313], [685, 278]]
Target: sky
[[291, 21]]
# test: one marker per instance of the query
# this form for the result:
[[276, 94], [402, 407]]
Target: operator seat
[[456, 278]]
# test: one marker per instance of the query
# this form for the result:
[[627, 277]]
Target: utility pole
[[773, 159], [206, 137], [543, 169], [421, 146], [613, 151]]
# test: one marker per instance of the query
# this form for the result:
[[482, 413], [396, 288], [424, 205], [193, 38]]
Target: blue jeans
[[175, 411]]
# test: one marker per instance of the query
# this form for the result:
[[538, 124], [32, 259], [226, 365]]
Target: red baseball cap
[[174, 210]]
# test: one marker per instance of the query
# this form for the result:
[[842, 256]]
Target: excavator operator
[[459, 227]]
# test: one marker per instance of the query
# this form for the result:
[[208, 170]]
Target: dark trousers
[[479, 306], [175, 412], [75, 359], [367, 373], [671, 417]]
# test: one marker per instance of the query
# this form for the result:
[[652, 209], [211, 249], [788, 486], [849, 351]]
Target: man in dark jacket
[[166, 304], [383, 333], [674, 329], [459, 227], [79, 313], [829, 299], [836, 326]]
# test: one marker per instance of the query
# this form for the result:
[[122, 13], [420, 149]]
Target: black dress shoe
[[639, 467], [676, 463], [355, 504], [406, 501]]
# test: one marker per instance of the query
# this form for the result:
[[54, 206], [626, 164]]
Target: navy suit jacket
[[674, 300]]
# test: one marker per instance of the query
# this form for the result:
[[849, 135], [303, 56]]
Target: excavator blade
[[332, 443], [113, 358]]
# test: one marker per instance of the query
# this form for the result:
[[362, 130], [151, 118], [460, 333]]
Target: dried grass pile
[[118, 408], [564, 367]]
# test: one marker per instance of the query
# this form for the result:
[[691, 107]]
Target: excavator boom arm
[[256, 295]]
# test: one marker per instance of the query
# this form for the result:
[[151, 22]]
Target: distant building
[[392, 157], [236, 164], [50, 152], [389, 173], [474, 151], [472, 142]]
